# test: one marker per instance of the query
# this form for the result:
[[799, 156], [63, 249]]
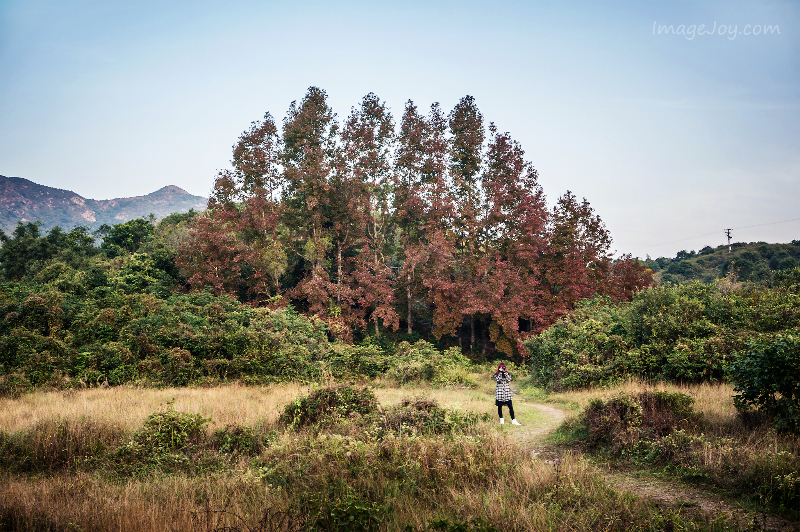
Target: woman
[[502, 395]]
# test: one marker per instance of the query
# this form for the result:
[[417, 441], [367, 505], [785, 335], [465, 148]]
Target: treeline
[[438, 226], [756, 262], [73, 314], [680, 333]]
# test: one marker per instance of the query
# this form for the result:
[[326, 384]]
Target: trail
[[540, 420]]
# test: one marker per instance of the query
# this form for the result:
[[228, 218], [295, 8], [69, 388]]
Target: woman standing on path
[[502, 395]]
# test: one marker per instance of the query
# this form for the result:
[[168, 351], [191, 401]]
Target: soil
[[543, 419]]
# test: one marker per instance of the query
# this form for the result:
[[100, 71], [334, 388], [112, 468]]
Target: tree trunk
[[408, 297], [471, 332], [339, 273]]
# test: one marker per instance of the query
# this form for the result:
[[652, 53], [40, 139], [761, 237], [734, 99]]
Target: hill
[[756, 262], [26, 201]]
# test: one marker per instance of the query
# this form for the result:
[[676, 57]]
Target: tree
[[128, 236], [236, 247], [410, 211], [368, 138], [508, 276], [466, 146], [309, 157]]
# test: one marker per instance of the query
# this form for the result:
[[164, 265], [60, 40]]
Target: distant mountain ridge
[[26, 201]]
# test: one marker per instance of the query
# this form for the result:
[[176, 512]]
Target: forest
[[439, 226]]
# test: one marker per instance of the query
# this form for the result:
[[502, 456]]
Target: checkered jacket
[[503, 391]]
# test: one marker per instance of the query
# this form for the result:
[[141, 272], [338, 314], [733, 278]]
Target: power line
[[714, 233], [770, 223]]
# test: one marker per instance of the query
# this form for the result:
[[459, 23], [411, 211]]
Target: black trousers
[[500, 405]]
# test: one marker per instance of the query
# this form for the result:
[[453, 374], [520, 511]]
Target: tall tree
[[310, 133], [507, 278], [368, 138], [466, 153], [440, 219], [410, 182], [577, 262], [236, 247]]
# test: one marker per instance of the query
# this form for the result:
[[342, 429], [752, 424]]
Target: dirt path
[[539, 420]]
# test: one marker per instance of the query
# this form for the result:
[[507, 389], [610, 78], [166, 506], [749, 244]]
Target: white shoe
[[502, 421], [515, 422]]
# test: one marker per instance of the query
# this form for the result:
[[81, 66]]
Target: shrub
[[165, 442], [422, 362], [766, 375], [235, 439], [623, 420], [685, 333], [356, 361], [329, 404], [14, 385], [347, 515], [423, 416]]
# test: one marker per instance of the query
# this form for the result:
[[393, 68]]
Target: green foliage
[[346, 515], [672, 332], [347, 361], [766, 375], [125, 237], [235, 439], [328, 405], [422, 416], [14, 385], [422, 362], [65, 333], [26, 251], [168, 441], [620, 422], [473, 525], [756, 262]]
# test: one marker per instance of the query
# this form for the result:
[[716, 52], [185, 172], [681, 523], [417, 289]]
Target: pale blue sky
[[669, 137]]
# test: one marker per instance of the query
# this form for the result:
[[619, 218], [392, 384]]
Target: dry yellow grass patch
[[128, 407], [715, 401]]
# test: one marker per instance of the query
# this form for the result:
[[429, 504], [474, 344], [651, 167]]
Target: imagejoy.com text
[[729, 31]]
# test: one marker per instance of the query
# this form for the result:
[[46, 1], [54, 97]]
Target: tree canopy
[[439, 225]]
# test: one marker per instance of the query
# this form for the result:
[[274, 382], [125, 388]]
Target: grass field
[[81, 461]]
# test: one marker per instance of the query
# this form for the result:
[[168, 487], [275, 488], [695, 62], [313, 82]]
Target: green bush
[[621, 421], [235, 439], [346, 515], [422, 362], [423, 416], [328, 405], [163, 433], [766, 375], [346, 361], [685, 333], [14, 385]]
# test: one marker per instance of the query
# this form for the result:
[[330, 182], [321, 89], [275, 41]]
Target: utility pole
[[728, 234]]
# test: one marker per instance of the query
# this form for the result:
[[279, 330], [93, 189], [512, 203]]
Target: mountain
[[756, 262], [25, 201]]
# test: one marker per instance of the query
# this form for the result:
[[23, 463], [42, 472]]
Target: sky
[[672, 131]]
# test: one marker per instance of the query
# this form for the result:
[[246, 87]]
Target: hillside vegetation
[[756, 262]]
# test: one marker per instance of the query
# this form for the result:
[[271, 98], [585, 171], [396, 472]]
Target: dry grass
[[423, 477], [244, 405], [715, 401], [532, 495], [741, 454], [128, 406]]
